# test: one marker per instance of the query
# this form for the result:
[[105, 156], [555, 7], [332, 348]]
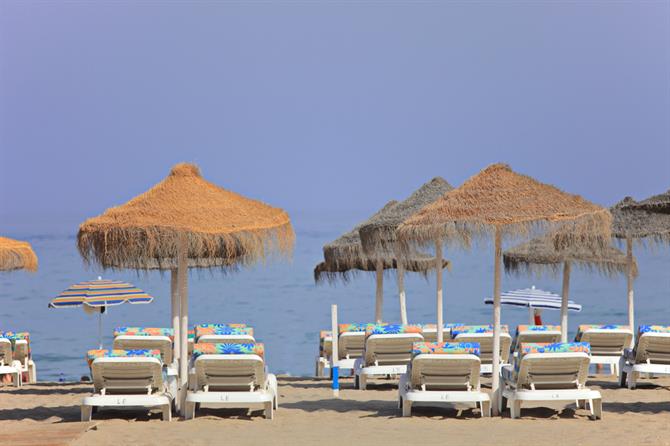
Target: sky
[[328, 109]]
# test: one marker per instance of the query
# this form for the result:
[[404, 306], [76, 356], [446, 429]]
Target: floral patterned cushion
[[14, 336], [228, 349], [92, 355], [323, 334], [377, 329], [445, 348], [191, 335], [447, 326], [144, 331], [527, 328], [222, 329], [654, 329], [346, 328], [555, 347], [469, 329]]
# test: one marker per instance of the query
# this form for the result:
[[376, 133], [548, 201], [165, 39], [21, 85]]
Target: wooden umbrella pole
[[401, 292], [629, 277], [564, 301], [379, 298], [495, 387], [174, 294], [182, 271], [438, 272]]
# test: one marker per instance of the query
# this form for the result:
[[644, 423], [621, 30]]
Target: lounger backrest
[[229, 367], [653, 347], [6, 356], [20, 345], [390, 344], [445, 366], [605, 340], [144, 342], [222, 329], [351, 341], [552, 366], [543, 334], [126, 371], [325, 343], [485, 341], [430, 331]]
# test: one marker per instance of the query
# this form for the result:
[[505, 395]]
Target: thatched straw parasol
[[344, 256], [497, 202], [185, 219], [378, 237], [540, 254], [15, 254], [645, 220]]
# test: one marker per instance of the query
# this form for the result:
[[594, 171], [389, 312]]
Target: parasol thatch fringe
[[15, 254], [222, 228], [325, 272], [378, 234], [539, 255], [517, 205], [644, 223]]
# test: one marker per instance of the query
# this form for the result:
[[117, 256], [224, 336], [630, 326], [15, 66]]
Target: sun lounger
[[21, 352], [145, 338], [224, 334], [8, 365], [549, 372], [607, 343], [544, 334], [446, 372], [351, 344], [325, 352], [650, 355], [231, 375], [129, 379], [429, 331], [388, 350], [483, 335]]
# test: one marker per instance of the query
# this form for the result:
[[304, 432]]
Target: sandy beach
[[48, 413]]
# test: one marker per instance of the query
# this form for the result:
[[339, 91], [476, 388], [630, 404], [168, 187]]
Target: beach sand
[[48, 413]]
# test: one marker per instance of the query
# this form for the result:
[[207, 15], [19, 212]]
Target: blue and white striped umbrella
[[534, 298]]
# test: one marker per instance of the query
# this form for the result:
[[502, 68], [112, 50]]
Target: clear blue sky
[[326, 105]]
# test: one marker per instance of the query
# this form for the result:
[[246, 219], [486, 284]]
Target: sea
[[280, 299]]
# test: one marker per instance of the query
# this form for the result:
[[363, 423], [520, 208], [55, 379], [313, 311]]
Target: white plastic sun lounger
[[232, 380], [550, 372], [607, 343], [485, 341], [385, 353], [8, 365], [537, 334], [350, 347], [21, 354], [443, 373], [650, 355], [129, 382], [325, 353]]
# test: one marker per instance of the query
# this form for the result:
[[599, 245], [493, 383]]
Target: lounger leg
[[406, 408], [269, 411], [515, 409], [32, 371], [319, 368], [362, 381], [86, 413], [485, 407], [167, 412], [597, 408], [613, 370], [581, 404], [18, 379], [189, 412], [632, 379]]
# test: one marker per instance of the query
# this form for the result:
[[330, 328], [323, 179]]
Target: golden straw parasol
[[540, 254], [185, 221], [15, 254], [646, 220], [499, 202]]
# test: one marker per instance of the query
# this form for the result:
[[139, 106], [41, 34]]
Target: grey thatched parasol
[[540, 254], [378, 238], [345, 256], [644, 220]]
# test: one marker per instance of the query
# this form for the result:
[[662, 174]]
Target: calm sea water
[[286, 308]]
